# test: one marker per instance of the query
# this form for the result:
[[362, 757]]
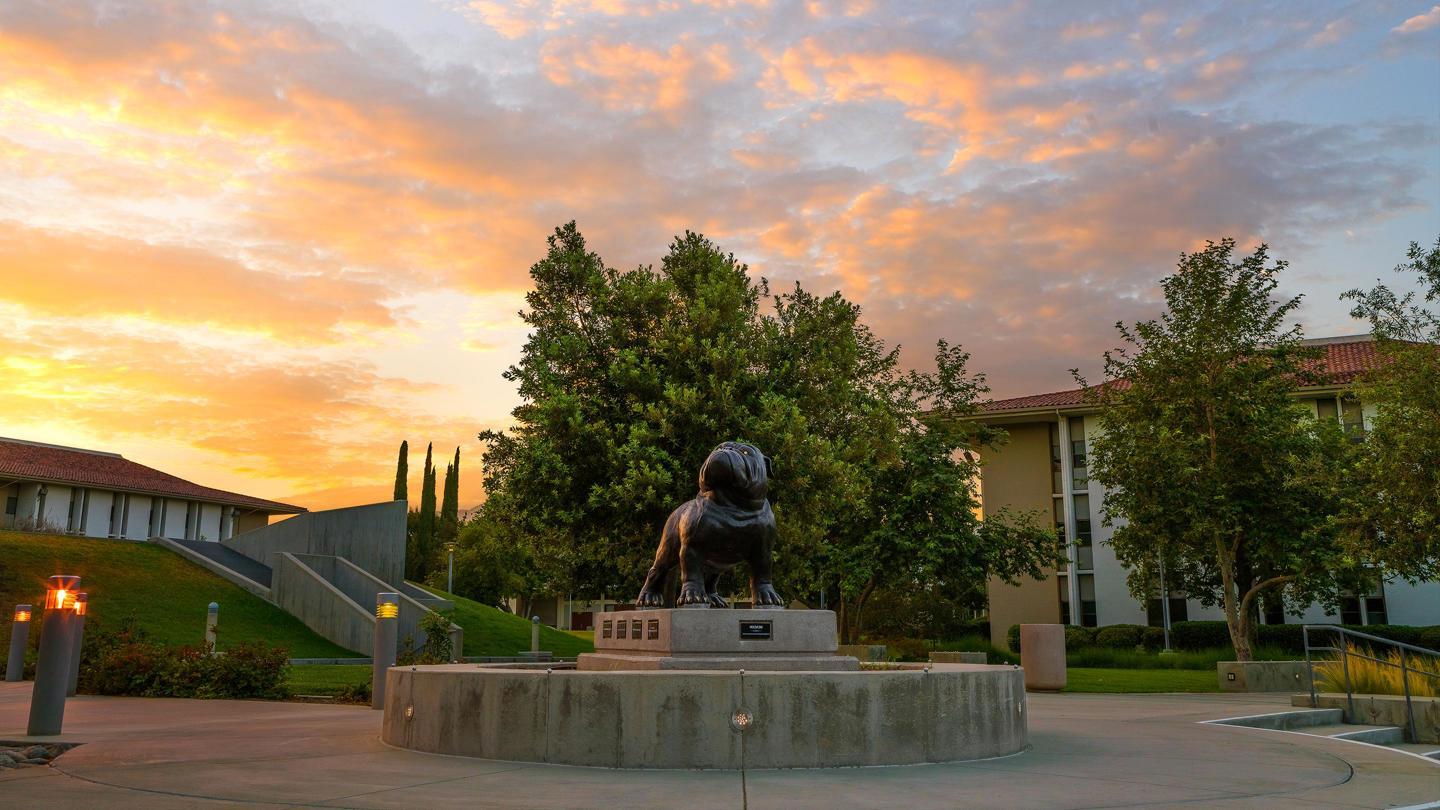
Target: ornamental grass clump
[[1369, 677]]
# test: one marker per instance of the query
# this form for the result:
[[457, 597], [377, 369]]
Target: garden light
[[77, 633], [57, 645], [387, 611], [19, 637]]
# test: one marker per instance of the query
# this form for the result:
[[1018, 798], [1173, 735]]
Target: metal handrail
[[1344, 650]]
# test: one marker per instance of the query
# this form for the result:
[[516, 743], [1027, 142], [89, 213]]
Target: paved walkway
[[1087, 751]]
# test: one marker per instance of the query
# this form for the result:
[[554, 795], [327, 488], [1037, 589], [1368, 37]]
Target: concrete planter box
[[958, 658], [1262, 676], [867, 653], [1381, 710]]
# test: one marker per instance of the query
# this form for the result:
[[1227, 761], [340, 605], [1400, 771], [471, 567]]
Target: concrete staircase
[[1331, 723]]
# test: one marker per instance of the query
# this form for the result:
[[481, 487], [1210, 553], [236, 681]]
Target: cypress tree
[[425, 531], [402, 472], [449, 505]]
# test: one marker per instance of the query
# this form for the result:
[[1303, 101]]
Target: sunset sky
[[258, 244]]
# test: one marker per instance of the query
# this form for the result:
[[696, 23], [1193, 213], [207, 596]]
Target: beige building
[[1043, 467]]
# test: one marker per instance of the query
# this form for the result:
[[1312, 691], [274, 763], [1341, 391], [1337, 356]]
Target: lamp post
[[212, 625], [1164, 602], [387, 616], [535, 634], [52, 670], [77, 632], [450, 576], [19, 638]]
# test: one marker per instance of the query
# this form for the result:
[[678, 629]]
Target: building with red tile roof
[[98, 494]]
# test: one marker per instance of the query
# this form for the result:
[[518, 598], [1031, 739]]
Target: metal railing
[[1407, 651]]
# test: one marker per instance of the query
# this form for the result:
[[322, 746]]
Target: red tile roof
[[1345, 360], [68, 465]]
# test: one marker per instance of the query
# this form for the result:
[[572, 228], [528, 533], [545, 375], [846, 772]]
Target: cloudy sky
[[258, 244]]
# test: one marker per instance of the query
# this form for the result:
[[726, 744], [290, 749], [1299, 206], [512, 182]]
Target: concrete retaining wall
[[310, 597], [1262, 676], [1382, 710], [372, 537], [336, 598], [687, 719], [958, 658]]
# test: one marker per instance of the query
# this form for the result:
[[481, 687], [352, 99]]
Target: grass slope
[[166, 593], [325, 679], [1083, 679], [490, 631]]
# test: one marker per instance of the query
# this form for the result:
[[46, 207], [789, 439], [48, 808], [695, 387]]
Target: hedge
[[1206, 635]]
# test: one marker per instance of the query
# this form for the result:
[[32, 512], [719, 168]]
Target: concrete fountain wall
[[708, 719]]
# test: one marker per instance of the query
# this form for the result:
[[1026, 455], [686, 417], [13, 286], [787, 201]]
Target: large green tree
[[1208, 460], [630, 378], [1397, 492], [420, 555]]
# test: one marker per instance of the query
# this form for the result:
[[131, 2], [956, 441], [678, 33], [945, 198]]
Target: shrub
[[1430, 638], [1289, 637], [904, 649], [979, 644], [1119, 636], [1153, 638], [127, 662], [354, 693], [1077, 638], [1199, 635], [1374, 678], [1012, 637]]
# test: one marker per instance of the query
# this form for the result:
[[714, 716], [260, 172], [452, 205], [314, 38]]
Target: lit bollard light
[[534, 634], [19, 638], [387, 616], [212, 625], [52, 670], [77, 632]]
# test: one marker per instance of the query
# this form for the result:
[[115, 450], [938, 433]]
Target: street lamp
[[19, 638], [450, 577], [82, 604], [52, 670], [387, 615]]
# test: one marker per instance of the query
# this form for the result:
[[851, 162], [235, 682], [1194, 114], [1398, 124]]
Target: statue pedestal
[[716, 639]]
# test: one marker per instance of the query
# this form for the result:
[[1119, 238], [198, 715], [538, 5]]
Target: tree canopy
[[1395, 502], [630, 378], [1209, 461]]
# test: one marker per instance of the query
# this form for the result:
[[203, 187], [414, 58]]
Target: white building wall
[[97, 517], [25, 510], [138, 527], [209, 523], [174, 519], [1417, 604], [57, 506], [1113, 603]]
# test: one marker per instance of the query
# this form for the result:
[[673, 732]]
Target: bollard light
[[19, 639], [534, 634], [212, 625], [77, 633], [387, 614], [52, 670]]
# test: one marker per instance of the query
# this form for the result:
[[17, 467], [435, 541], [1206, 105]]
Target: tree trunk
[[1234, 621]]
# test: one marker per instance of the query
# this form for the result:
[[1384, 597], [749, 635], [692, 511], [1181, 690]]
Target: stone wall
[[1262, 676], [371, 536]]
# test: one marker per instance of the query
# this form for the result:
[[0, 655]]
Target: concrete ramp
[[336, 598], [223, 562]]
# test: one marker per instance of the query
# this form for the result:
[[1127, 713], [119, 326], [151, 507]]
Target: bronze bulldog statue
[[728, 523]]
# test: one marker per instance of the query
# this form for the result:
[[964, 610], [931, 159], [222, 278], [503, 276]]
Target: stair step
[[1423, 748], [1379, 735], [1298, 720]]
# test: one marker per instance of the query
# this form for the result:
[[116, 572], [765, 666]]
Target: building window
[[1059, 507], [1327, 408], [12, 505], [1079, 477], [1179, 611], [1367, 609], [1352, 418], [1064, 598], [1087, 600], [1057, 486]]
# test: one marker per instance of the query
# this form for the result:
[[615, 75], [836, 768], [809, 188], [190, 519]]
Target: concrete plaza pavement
[[1086, 751]]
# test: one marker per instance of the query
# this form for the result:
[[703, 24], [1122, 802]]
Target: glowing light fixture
[[60, 592], [82, 600], [22, 613]]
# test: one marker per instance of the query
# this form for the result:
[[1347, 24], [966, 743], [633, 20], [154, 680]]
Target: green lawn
[[166, 593], [490, 631], [323, 679], [1078, 679]]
